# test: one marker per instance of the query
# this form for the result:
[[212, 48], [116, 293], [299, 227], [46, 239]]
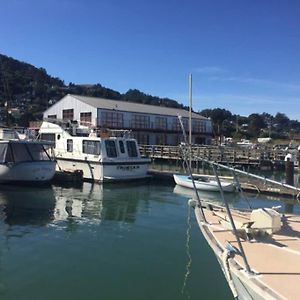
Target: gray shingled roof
[[134, 107]]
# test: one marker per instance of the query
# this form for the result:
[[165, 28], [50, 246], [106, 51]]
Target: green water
[[116, 241]]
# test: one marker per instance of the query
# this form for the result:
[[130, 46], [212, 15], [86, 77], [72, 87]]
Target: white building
[[150, 124]]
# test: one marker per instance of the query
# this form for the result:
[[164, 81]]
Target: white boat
[[23, 161], [257, 249], [204, 183], [100, 158], [271, 245]]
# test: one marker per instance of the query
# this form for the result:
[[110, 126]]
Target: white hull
[[211, 185], [39, 171], [98, 171]]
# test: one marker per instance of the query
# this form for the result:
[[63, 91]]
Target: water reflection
[[247, 200], [23, 206], [213, 197], [92, 203]]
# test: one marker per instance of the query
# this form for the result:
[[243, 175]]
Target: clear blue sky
[[244, 55]]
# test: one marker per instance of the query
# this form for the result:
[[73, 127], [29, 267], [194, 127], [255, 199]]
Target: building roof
[[135, 107]]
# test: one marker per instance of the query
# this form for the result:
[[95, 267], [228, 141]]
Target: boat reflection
[[88, 203], [213, 197], [26, 206]]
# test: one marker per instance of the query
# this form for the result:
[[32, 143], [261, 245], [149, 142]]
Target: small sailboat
[[204, 183]]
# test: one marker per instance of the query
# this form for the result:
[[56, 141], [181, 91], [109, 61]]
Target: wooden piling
[[289, 171]]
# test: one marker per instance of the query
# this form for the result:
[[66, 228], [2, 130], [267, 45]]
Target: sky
[[244, 56]]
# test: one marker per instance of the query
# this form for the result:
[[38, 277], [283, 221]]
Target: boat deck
[[275, 259]]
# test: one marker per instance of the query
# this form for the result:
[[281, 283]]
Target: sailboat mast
[[190, 109]]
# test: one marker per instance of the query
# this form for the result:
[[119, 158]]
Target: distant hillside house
[[150, 124]]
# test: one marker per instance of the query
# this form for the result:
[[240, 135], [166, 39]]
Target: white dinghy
[[204, 183]]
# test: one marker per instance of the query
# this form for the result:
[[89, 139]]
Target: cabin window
[[37, 152], [52, 117], [110, 147], [91, 147], [121, 146], [5, 153], [69, 145], [49, 137], [68, 114], [131, 149], [20, 152]]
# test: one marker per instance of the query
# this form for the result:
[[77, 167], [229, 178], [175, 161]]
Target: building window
[[91, 147], [160, 139], [160, 122], [199, 126], [131, 149], [112, 119], [110, 147], [68, 114], [140, 121], [86, 118], [141, 137], [52, 117], [176, 125], [69, 145]]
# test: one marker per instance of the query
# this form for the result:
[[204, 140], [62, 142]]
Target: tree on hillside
[[218, 116], [256, 123], [281, 120]]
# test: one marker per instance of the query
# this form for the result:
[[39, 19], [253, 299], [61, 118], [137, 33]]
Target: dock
[[267, 159]]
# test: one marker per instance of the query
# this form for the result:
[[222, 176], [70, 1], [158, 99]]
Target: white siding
[[69, 102]]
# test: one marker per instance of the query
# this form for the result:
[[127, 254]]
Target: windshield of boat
[[20, 152]]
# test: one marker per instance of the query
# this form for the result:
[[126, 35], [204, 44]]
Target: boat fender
[[192, 203]]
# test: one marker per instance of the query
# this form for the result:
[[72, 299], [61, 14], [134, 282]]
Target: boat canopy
[[15, 151]]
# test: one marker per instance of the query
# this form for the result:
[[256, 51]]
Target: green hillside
[[28, 91]]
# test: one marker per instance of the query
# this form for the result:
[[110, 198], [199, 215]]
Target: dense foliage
[[253, 126], [31, 90]]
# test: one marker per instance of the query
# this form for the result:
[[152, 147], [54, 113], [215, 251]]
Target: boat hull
[[106, 171], [27, 172], [243, 285], [211, 185]]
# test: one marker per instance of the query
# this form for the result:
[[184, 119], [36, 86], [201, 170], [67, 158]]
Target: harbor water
[[111, 241]]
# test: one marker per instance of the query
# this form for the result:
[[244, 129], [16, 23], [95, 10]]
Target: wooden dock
[[259, 158]]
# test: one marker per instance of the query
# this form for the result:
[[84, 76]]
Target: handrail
[[250, 174]]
